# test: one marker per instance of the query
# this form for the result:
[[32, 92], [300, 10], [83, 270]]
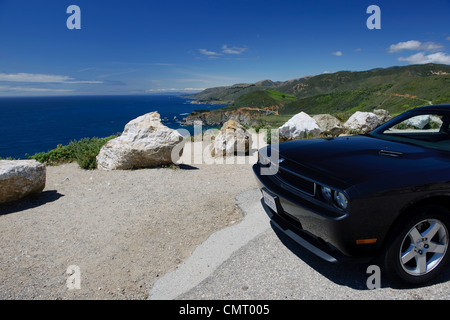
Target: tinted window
[[426, 130]]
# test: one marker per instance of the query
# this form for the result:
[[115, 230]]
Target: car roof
[[440, 107]]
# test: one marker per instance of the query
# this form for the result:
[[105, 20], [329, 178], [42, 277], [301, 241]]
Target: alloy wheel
[[424, 247]]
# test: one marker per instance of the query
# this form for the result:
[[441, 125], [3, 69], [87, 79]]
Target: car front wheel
[[418, 248]]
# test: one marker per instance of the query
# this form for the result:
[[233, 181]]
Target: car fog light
[[327, 193], [341, 200]]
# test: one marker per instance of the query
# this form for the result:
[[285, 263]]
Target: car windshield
[[429, 130]]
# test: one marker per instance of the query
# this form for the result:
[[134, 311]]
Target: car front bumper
[[331, 238]]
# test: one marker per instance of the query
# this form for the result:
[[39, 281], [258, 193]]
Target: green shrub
[[62, 154], [83, 151], [86, 151]]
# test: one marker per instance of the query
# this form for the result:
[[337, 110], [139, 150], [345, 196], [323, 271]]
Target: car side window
[[418, 125], [426, 130]]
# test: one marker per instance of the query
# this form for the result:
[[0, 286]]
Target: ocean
[[30, 125]]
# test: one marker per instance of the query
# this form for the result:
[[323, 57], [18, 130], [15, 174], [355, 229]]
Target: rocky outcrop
[[20, 178], [329, 125], [145, 142], [213, 118], [232, 139], [299, 126], [361, 122]]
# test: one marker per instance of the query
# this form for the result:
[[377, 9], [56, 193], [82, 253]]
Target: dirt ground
[[120, 229]]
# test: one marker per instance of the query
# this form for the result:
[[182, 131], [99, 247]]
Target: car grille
[[296, 181]]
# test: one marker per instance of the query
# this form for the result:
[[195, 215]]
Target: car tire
[[418, 247]]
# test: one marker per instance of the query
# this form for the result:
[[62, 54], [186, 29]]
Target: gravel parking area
[[122, 229]]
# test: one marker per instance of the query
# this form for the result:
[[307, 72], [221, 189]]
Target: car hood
[[356, 159]]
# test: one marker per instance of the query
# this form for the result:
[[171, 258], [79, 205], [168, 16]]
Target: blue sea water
[[38, 124]]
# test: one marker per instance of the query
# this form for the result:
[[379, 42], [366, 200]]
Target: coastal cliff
[[246, 115]]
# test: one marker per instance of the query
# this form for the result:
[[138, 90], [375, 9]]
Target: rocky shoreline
[[244, 116]]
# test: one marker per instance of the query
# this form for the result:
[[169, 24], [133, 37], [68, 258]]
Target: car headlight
[[327, 193], [341, 200]]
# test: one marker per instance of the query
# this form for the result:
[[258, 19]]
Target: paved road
[[253, 261]]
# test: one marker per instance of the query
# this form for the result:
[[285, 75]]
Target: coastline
[[33, 125]]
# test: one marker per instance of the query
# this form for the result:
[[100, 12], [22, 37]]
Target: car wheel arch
[[440, 210], [440, 200]]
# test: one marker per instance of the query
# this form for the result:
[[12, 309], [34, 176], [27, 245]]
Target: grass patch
[[280, 96]]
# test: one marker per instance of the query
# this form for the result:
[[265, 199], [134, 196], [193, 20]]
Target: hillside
[[395, 89], [228, 94]]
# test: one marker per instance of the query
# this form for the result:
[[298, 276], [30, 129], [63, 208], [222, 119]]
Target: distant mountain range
[[395, 89]]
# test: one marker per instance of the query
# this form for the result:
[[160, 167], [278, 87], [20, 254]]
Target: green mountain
[[395, 89], [228, 94]]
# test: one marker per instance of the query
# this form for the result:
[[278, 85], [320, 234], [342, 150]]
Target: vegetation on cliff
[[394, 89]]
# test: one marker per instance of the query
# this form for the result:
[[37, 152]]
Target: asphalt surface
[[253, 261]]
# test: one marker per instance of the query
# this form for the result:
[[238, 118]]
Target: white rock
[[145, 142], [418, 122], [232, 139], [20, 178], [362, 122], [328, 124], [436, 120], [299, 126], [383, 115]]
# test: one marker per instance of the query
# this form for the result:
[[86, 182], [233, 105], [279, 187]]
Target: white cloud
[[209, 53], [194, 89], [448, 38], [431, 46], [40, 78], [414, 45], [337, 53], [224, 51], [232, 50], [421, 58], [86, 69], [176, 90], [408, 45], [26, 89]]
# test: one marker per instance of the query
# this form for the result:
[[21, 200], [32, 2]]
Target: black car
[[383, 195]]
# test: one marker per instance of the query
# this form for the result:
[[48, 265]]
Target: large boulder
[[20, 178], [418, 122], [232, 139], [145, 142], [298, 127], [383, 115], [361, 122], [329, 125]]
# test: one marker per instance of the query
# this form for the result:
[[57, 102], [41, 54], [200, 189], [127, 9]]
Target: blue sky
[[143, 47]]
